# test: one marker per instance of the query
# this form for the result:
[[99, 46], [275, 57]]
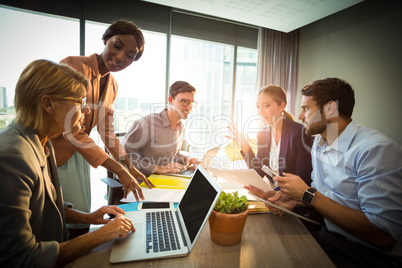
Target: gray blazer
[[31, 223]]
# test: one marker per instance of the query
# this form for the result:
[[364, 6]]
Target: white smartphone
[[269, 171], [155, 205]]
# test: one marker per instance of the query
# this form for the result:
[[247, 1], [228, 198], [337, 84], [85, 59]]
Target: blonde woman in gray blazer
[[49, 100]]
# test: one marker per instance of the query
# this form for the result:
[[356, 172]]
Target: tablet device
[[284, 209]]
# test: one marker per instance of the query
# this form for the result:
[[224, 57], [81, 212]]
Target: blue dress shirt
[[362, 170]]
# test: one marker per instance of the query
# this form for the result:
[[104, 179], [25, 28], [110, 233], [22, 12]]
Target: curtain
[[277, 62]]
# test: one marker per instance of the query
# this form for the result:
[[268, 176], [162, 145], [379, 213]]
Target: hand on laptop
[[120, 226], [98, 216], [172, 167], [192, 162]]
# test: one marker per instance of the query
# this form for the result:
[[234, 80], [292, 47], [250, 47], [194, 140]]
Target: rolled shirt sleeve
[[362, 170]]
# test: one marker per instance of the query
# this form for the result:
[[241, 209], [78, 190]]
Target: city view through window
[[209, 66]]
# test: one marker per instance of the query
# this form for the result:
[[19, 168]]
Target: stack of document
[[257, 207]]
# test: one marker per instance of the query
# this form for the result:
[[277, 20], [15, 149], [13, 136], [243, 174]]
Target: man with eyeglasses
[[154, 141]]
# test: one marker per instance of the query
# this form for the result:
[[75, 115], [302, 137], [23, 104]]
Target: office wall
[[362, 45]]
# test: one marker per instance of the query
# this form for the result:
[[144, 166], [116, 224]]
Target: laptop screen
[[196, 203]]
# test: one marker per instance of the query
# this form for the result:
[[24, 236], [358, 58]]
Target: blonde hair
[[279, 96], [43, 77]]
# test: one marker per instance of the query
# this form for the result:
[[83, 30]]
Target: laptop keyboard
[[161, 232]]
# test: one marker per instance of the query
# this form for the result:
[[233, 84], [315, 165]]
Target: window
[[208, 67], [245, 114], [202, 52], [25, 37]]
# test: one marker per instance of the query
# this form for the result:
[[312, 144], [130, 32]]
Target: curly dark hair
[[126, 27], [332, 89]]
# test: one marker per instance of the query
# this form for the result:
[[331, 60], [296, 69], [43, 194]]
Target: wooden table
[[268, 241]]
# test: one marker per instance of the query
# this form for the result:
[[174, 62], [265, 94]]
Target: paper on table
[[160, 195], [243, 177]]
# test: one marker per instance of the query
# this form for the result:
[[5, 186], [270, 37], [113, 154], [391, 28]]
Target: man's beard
[[316, 127]]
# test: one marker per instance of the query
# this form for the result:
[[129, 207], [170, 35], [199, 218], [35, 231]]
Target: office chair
[[114, 191]]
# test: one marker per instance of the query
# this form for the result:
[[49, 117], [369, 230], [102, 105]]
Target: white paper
[[230, 187], [243, 177], [226, 185], [157, 195]]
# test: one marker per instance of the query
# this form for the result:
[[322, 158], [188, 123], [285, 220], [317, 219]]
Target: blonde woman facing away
[[49, 100]]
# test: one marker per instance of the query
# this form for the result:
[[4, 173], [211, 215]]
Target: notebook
[[206, 160], [188, 219]]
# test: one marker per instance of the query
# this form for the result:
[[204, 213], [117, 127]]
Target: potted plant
[[228, 218]]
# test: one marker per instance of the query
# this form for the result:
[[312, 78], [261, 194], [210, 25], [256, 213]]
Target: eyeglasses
[[81, 101], [185, 102]]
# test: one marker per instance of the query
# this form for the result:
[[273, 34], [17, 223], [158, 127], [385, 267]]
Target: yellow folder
[[167, 182]]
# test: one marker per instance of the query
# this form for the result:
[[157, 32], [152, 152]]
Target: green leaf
[[231, 203]]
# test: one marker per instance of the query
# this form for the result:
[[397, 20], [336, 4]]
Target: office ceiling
[[280, 15]]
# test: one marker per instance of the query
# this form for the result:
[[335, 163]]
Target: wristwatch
[[309, 195]]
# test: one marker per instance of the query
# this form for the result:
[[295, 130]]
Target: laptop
[[205, 162], [187, 221]]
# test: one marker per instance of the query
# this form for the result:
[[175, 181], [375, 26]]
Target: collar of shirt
[[340, 146], [165, 118], [342, 142], [166, 122]]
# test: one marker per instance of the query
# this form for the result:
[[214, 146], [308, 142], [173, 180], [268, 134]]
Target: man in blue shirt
[[356, 181]]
